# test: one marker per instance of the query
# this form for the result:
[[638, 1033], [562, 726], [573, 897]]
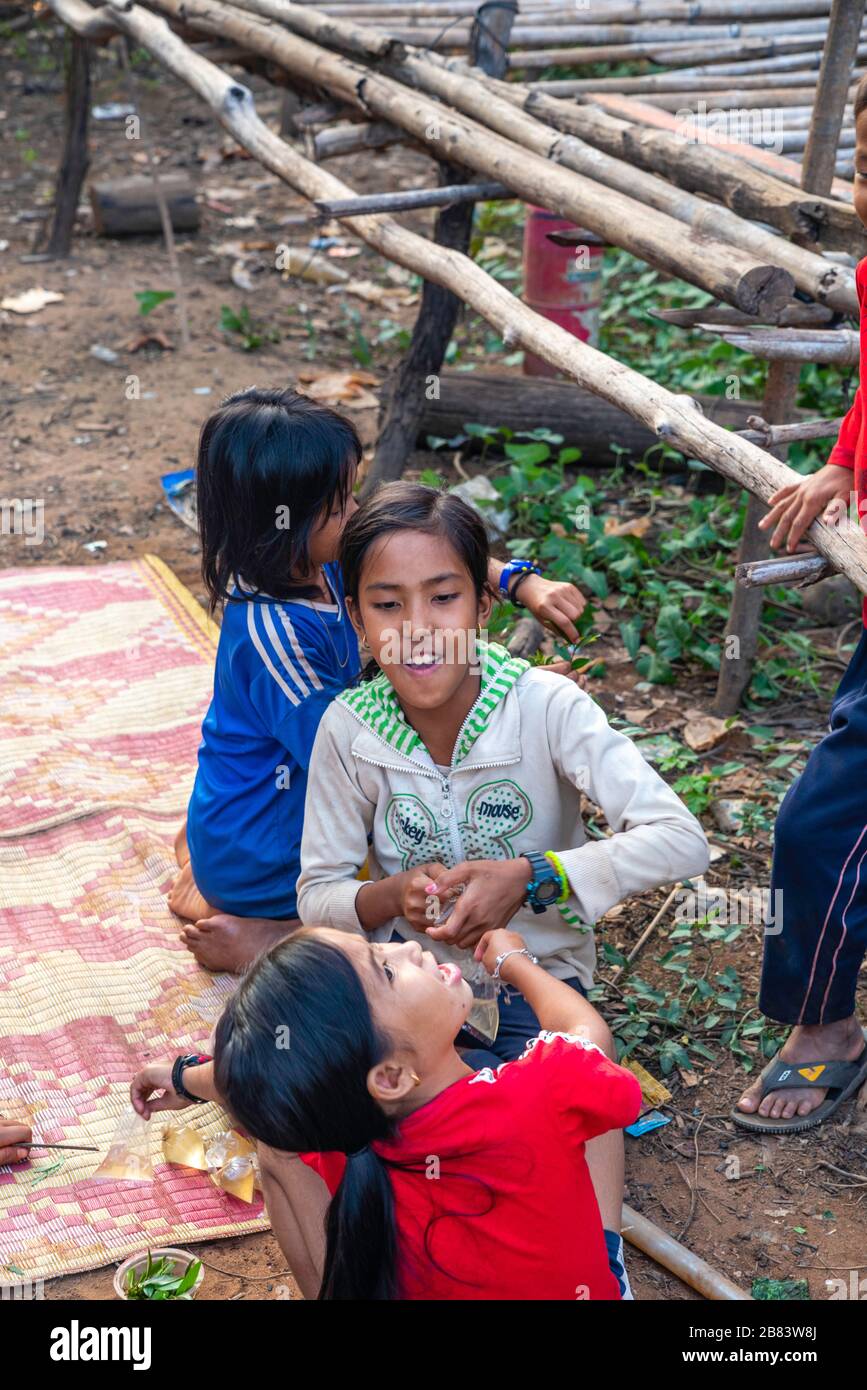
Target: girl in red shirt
[[421, 1178]]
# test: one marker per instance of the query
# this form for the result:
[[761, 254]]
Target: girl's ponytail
[[361, 1250], [293, 1050]]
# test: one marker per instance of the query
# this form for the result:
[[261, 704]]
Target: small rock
[[481, 494], [104, 354], [728, 814]]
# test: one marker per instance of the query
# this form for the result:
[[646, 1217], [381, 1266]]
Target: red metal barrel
[[563, 283]]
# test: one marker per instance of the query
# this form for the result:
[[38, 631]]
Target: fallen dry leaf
[[348, 387], [379, 294], [144, 338], [636, 716], [637, 526], [30, 301], [704, 733]]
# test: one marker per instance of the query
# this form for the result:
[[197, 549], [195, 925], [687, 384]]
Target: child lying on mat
[[389, 1104], [274, 479]]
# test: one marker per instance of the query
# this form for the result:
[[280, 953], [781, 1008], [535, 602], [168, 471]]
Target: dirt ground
[[76, 436]]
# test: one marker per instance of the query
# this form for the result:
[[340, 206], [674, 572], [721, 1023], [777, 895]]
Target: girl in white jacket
[[458, 764]]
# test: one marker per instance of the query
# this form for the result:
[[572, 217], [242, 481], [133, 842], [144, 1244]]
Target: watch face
[[548, 892]]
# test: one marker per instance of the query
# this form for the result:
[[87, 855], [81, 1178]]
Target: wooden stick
[[810, 272], [415, 198], [645, 935], [674, 419], [641, 135], [75, 159], [760, 432], [839, 346], [795, 315], [668, 54], [828, 212], [349, 139], [795, 570]]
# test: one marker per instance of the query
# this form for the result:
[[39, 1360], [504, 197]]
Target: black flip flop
[[840, 1079]]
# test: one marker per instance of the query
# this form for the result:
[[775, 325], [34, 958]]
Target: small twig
[[252, 1278], [646, 934]]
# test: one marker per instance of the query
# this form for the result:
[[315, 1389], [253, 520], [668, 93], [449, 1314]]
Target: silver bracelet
[[515, 951]]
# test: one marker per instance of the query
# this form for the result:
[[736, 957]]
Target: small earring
[[416, 1079]]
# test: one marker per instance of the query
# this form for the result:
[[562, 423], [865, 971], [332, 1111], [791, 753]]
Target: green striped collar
[[375, 704]]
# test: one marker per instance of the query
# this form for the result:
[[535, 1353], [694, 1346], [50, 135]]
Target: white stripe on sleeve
[[297, 648], [267, 662]]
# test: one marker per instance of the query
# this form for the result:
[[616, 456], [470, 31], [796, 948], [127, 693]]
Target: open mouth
[[450, 973], [422, 665]]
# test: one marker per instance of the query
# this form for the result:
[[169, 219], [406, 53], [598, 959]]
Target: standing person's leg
[[811, 964]]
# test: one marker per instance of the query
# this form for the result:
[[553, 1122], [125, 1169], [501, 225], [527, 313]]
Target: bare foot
[[185, 900], [830, 1042], [221, 942]]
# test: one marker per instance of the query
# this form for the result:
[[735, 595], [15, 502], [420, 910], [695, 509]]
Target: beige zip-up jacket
[[531, 744]]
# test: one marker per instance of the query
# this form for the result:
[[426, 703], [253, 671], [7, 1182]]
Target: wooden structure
[[773, 241]]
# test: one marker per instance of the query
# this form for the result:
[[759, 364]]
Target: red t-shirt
[[850, 451], [499, 1158]]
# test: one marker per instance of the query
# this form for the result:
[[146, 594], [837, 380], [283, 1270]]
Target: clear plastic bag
[[129, 1153]]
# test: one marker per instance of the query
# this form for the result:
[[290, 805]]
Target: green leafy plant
[[159, 1280], [252, 334], [148, 300]]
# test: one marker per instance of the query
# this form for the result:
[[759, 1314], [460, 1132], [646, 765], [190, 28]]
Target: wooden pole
[[728, 273], [418, 372], [838, 60], [742, 629], [673, 418], [741, 641], [74, 160]]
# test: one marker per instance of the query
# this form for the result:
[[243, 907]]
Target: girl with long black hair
[[391, 1169]]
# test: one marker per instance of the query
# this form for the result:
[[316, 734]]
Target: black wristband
[[525, 574], [190, 1059]]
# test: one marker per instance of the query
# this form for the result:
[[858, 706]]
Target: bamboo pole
[[797, 571], [827, 284], [830, 347], [838, 59], [673, 419], [832, 217], [668, 54], [758, 431], [633, 11], [404, 397], [412, 198], [728, 273], [716, 172], [667, 1251]]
